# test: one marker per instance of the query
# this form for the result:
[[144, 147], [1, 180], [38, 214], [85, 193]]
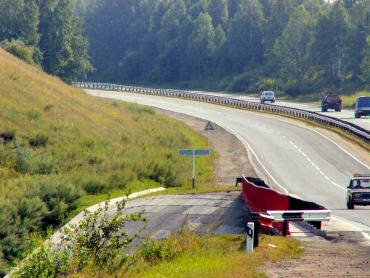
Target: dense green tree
[[201, 44], [218, 11], [360, 27], [279, 12], [62, 43], [331, 43], [245, 36], [19, 21], [52, 31], [169, 41], [293, 49], [365, 66]]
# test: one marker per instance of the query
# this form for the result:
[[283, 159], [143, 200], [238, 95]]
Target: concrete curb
[[55, 238]]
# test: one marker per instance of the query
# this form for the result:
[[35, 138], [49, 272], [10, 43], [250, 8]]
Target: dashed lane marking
[[315, 166]]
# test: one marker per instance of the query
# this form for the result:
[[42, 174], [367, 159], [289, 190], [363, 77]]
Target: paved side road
[[221, 213]]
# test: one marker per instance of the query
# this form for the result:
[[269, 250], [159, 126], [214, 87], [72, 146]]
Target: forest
[[48, 34], [298, 47], [295, 46]]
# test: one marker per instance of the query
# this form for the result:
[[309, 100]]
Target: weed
[[94, 186], [44, 166], [33, 115], [22, 163], [7, 136], [48, 107], [40, 140]]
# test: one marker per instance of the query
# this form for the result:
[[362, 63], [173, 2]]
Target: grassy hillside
[[59, 145]]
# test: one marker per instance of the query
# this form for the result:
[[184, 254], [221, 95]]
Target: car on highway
[[358, 191], [331, 100], [362, 107], [267, 96]]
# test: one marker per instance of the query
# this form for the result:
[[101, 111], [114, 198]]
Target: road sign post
[[209, 128], [193, 153]]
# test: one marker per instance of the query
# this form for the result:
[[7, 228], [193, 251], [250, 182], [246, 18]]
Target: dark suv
[[362, 107], [331, 100], [358, 191]]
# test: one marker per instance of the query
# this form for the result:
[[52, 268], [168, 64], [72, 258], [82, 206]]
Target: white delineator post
[[250, 238], [193, 169]]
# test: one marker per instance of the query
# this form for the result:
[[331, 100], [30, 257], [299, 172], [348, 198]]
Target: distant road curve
[[346, 114], [344, 125]]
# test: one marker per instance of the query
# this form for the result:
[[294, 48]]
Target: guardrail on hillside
[[351, 128]]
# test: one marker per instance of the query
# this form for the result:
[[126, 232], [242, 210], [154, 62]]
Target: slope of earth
[[59, 146], [233, 157]]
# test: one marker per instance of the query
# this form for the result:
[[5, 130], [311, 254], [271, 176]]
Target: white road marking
[[315, 166], [327, 138], [365, 235], [245, 143]]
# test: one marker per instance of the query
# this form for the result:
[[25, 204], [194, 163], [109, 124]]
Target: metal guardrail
[[351, 128], [299, 215]]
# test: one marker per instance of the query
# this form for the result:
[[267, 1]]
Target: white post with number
[[250, 238]]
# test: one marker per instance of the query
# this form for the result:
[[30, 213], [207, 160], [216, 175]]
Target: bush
[[99, 240], [267, 84], [94, 160], [59, 196], [166, 174], [45, 261], [118, 181], [22, 163], [39, 140], [44, 166], [7, 136], [94, 186], [26, 53], [155, 251], [33, 115]]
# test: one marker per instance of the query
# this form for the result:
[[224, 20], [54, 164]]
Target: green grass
[[189, 255], [62, 150], [349, 101], [218, 256]]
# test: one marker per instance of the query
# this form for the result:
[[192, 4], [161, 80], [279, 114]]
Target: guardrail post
[[256, 234], [250, 238], [285, 227]]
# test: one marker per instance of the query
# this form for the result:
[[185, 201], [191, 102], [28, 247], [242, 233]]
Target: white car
[[267, 96]]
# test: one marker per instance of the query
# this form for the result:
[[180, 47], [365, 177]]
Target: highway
[[295, 158], [345, 114]]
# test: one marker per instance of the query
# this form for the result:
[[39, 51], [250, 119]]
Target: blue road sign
[[202, 152], [188, 152], [184, 152]]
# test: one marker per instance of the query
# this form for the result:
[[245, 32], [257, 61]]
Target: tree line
[[298, 46], [48, 33]]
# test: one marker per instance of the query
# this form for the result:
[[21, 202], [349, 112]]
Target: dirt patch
[[233, 157], [325, 258]]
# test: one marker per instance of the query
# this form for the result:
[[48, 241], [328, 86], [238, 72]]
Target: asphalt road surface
[[345, 114], [295, 158], [221, 213]]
